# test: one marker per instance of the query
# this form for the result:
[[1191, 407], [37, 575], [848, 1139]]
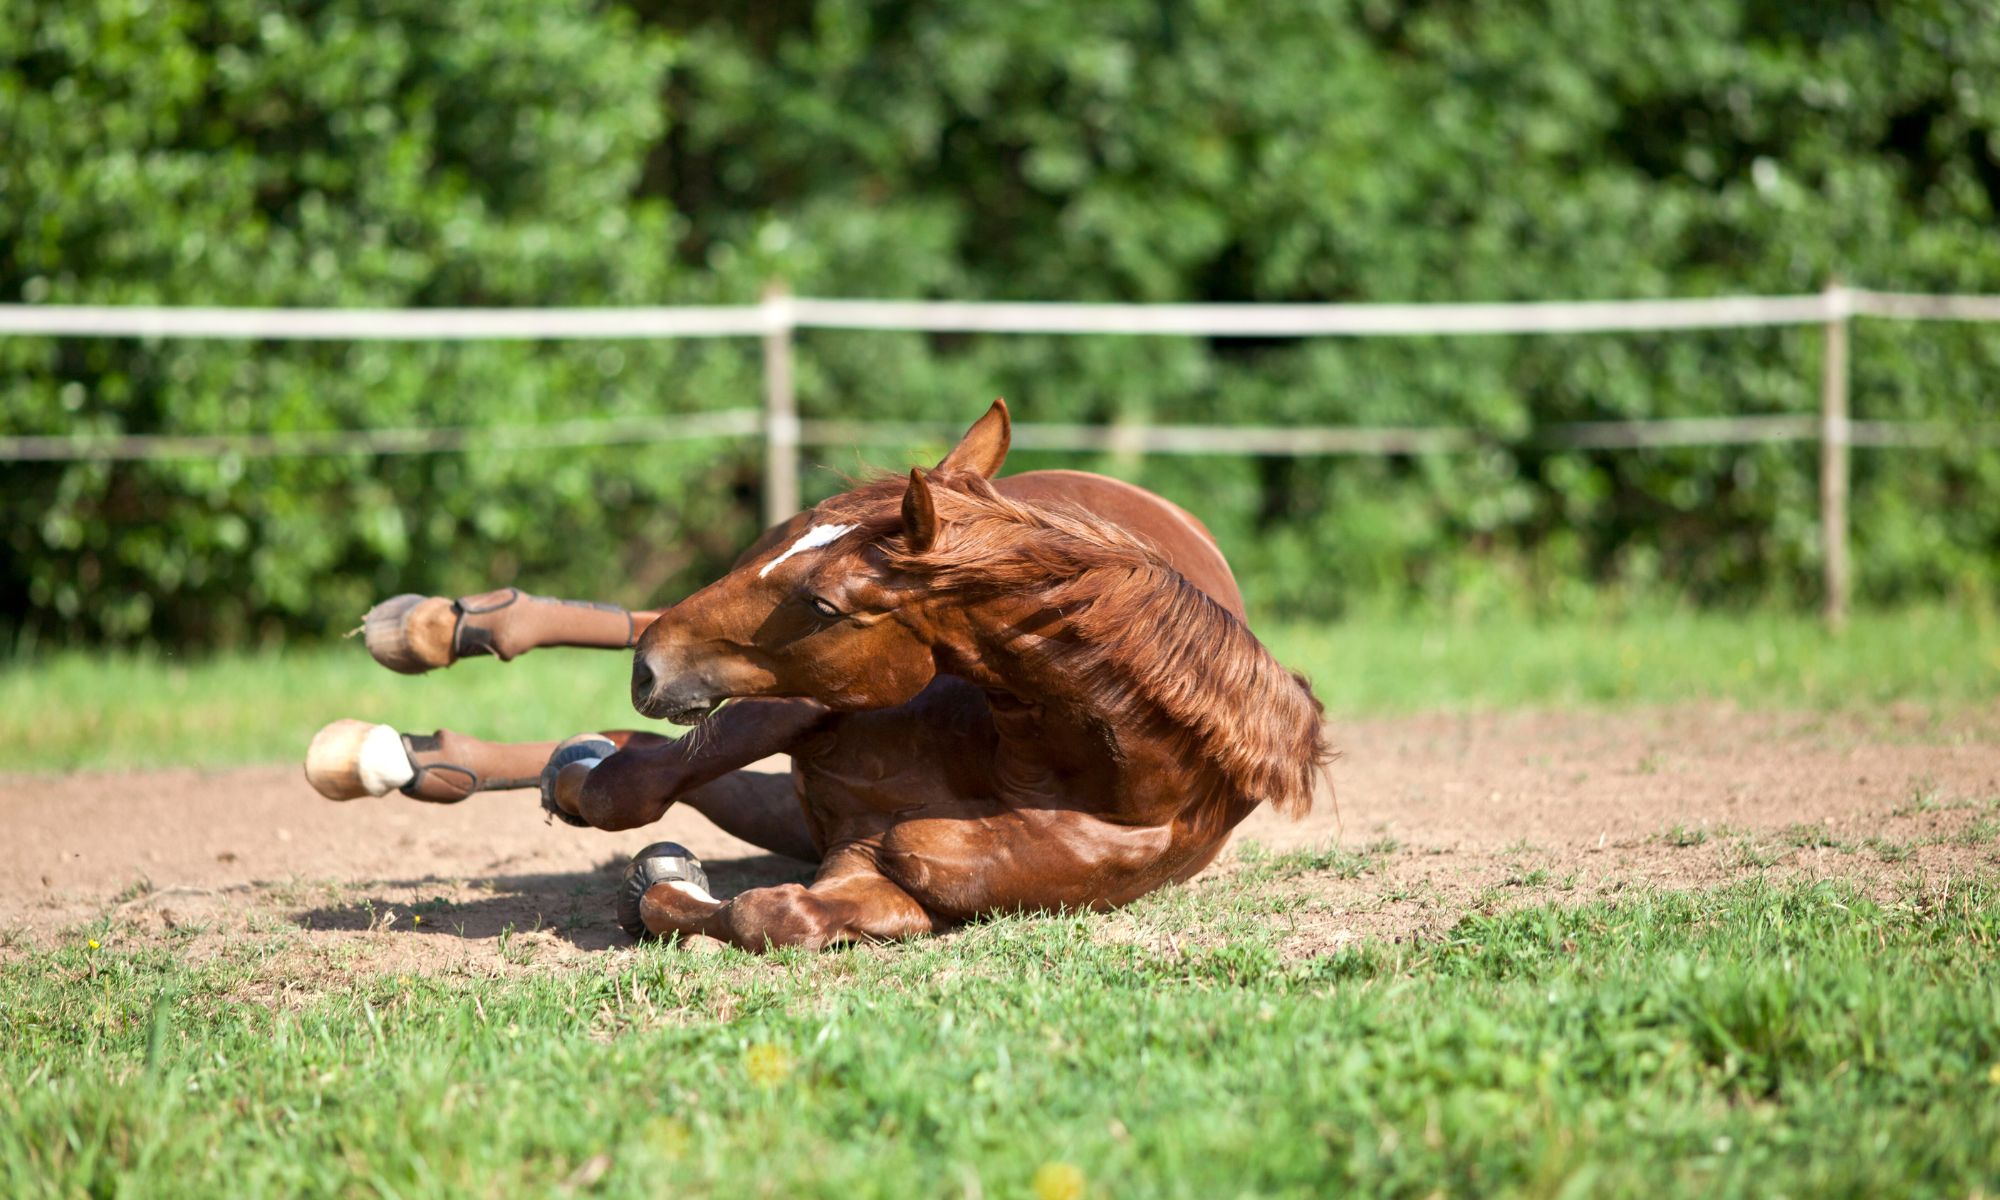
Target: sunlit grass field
[[1771, 1038], [67, 710], [1763, 1040]]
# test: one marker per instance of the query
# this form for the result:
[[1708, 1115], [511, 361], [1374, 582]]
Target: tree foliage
[[346, 152], [503, 152]]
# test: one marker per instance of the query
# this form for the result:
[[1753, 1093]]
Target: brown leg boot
[[562, 776], [351, 759], [413, 634]]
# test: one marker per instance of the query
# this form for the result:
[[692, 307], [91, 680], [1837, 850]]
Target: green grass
[[66, 710], [1934, 656], [1761, 1040]]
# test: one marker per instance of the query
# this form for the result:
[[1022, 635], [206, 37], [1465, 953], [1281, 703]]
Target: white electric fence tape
[[780, 314]]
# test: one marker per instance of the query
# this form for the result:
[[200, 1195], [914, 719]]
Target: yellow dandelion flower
[[93, 943], [1058, 1181], [669, 1134], [416, 918], [767, 1064]]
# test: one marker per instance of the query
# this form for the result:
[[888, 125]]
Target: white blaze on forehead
[[811, 539]]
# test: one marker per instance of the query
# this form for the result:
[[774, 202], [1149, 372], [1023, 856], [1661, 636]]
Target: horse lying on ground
[[1034, 692]]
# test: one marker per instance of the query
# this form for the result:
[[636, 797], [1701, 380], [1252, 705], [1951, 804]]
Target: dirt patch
[[1437, 816]]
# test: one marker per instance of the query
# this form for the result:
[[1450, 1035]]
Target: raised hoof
[[411, 634], [563, 777], [351, 759], [661, 862]]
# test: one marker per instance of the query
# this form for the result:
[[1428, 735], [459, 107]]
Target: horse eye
[[823, 607]]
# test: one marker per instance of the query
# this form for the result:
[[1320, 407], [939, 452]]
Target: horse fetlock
[[448, 768], [350, 759]]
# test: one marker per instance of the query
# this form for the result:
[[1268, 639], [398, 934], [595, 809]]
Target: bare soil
[[1447, 815]]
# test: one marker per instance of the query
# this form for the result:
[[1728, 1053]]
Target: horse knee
[[607, 811], [614, 796]]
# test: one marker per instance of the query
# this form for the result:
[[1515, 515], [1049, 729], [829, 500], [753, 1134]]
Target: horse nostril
[[642, 679]]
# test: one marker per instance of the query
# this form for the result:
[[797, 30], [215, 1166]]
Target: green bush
[[346, 152], [1383, 151], [503, 152]]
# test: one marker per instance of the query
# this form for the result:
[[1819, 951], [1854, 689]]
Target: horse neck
[[1066, 716]]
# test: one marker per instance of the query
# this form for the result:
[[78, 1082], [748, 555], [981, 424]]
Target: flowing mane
[[1144, 642]]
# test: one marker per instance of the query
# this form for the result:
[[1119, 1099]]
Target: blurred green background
[[554, 152]]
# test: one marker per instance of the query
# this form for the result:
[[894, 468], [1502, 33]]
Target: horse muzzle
[[684, 701]]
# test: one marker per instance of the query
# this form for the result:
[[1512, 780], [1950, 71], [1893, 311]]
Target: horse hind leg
[[351, 759], [412, 634], [849, 902]]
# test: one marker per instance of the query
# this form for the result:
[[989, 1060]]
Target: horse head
[[820, 610]]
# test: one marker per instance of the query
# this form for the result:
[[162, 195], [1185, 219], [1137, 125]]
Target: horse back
[[1181, 538]]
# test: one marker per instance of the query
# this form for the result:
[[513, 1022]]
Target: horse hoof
[[351, 759], [411, 634], [567, 768], [661, 862]]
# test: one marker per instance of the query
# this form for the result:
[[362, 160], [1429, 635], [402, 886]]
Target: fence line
[[1315, 441], [1314, 320], [733, 422], [1912, 306], [780, 312], [776, 319], [383, 324], [1288, 441]]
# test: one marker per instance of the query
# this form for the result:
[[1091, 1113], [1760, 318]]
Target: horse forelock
[[1142, 642]]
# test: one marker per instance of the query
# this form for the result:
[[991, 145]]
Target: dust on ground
[[1437, 816]]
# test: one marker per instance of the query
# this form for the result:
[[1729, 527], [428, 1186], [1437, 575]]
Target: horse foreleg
[[848, 902], [633, 776], [350, 759], [635, 785], [414, 634]]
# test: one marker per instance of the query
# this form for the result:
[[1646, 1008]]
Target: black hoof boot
[[661, 862], [577, 749]]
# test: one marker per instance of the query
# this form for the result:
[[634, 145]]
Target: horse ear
[[920, 519], [984, 446]]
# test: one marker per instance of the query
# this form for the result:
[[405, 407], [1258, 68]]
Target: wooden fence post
[[781, 410], [1834, 440]]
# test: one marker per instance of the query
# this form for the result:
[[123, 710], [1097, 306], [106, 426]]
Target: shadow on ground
[[574, 905]]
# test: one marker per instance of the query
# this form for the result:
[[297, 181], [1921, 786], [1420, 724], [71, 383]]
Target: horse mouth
[[693, 714]]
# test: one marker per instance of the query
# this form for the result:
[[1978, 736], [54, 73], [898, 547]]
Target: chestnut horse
[[1034, 692]]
